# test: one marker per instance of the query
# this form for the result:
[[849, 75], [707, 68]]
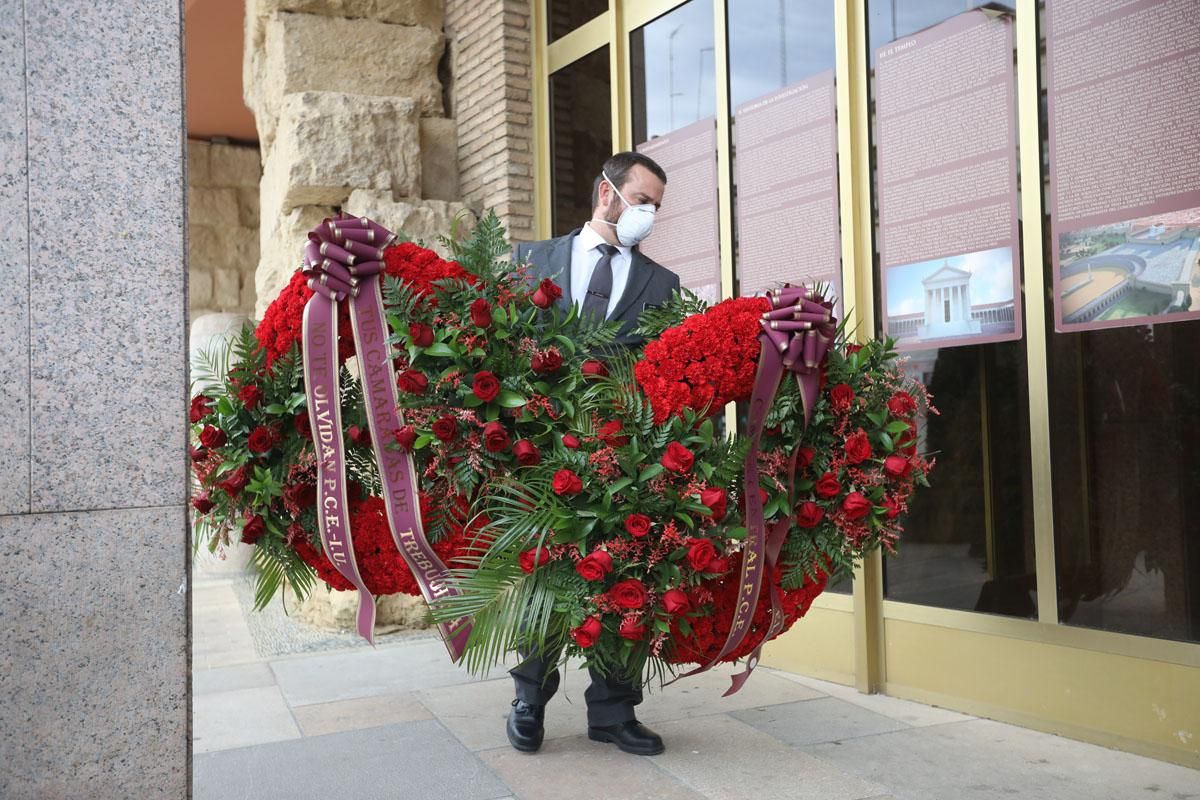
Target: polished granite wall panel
[[93, 655], [14, 268], [106, 144]]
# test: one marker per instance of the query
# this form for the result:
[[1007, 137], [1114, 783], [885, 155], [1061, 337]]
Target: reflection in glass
[[888, 20], [673, 67], [773, 43], [580, 137], [564, 16]]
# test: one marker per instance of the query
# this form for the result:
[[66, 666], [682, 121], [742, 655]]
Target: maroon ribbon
[[796, 335], [344, 256]]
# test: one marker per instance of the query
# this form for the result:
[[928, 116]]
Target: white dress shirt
[[585, 254]]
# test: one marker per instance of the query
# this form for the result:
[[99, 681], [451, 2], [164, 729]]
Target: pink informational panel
[[1123, 84], [685, 236], [945, 140], [787, 187]]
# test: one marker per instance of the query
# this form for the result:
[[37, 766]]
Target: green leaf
[[737, 534], [651, 472], [276, 408], [440, 350], [510, 399], [886, 441], [619, 485], [896, 427]]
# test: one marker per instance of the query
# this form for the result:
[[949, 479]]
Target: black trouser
[[609, 701]]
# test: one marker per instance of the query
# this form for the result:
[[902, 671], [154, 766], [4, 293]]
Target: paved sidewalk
[[400, 721]]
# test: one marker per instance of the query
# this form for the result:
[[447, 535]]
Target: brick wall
[[491, 100], [222, 227]]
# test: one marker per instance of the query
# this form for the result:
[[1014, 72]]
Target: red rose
[[628, 594], [607, 433], [481, 313], [893, 507], [420, 334], [700, 554], [495, 438], [858, 448], [486, 386], [897, 466], [260, 440], [253, 530], [406, 437], [594, 566], [212, 437], [907, 443], [530, 562], [250, 395], [805, 458], [855, 506], [235, 481], [853, 348], [446, 428], [717, 500], [637, 525], [201, 408], [301, 424], [412, 381], [809, 515], [594, 368], [301, 495], [567, 483], [675, 601], [202, 503], [360, 436], [546, 362], [718, 566], [527, 453], [678, 458], [587, 633], [632, 630], [828, 485], [840, 397], [902, 404], [546, 293], [570, 442]]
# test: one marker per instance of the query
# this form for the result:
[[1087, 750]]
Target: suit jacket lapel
[[560, 262], [635, 285]]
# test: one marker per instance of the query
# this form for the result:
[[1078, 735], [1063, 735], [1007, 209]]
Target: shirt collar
[[590, 240]]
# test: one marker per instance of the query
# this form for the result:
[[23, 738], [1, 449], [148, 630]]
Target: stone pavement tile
[[220, 636], [721, 757], [825, 720], [906, 711], [365, 671], [576, 767], [982, 759], [362, 712], [253, 675], [409, 761], [227, 720]]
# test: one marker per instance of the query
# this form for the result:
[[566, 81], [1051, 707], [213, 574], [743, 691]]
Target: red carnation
[[594, 368], [607, 433], [301, 424], [637, 525], [201, 408], [486, 386], [250, 395], [412, 381], [567, 483], [678, 458], [212, 437], [527, 453], [253, 530], [840, 397], [546, 362], [828, 485], [446, 428], [855, 506], [235, 481], [406, 437], [675, 601], [495, 438], [858, 447], [809, 515], [902, 404], [420, 334], [897, 466], [628, 593], [595, 565], [632, 630], [260, 440], [700, 554], [360, 436], [717, 501], [481, 313], [570, 442], [546, 293], [202, 503], [529, 561], [587, 633]]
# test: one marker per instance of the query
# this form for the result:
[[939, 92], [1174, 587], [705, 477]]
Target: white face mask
[[635, 222]]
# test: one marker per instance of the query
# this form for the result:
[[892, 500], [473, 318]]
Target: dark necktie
[[595, 302]]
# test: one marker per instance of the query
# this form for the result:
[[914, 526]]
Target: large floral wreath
[[583, 495]]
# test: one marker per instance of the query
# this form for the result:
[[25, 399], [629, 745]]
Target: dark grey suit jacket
[[649, 284]]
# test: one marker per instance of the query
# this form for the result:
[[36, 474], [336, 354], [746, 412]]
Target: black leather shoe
[[631, 736], [525, 726]]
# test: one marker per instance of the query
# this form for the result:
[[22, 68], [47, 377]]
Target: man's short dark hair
[[617, 168]]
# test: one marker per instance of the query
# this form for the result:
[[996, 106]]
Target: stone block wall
[[222, 226]]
